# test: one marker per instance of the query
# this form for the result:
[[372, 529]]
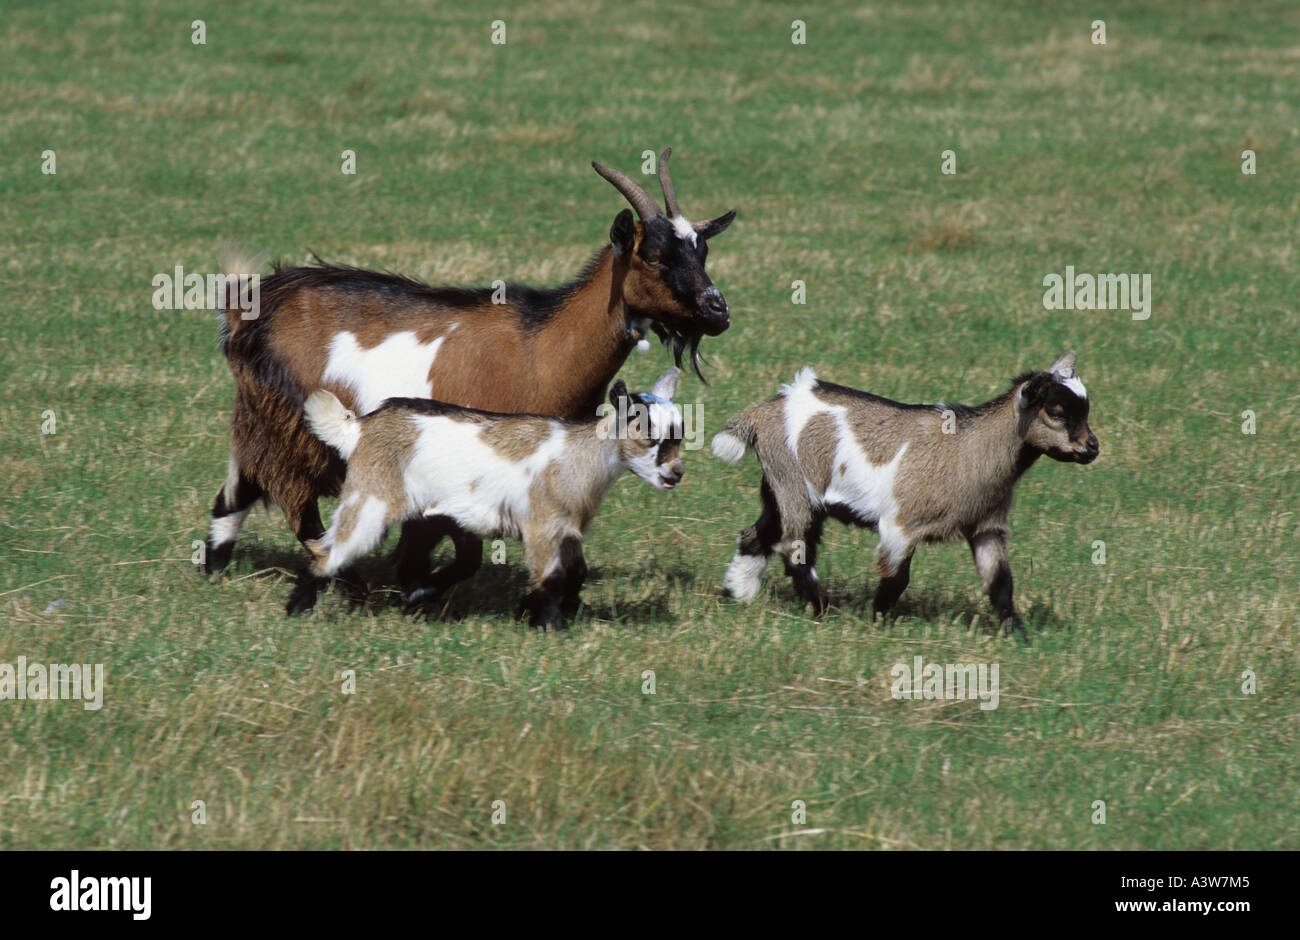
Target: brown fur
[[548, 352]]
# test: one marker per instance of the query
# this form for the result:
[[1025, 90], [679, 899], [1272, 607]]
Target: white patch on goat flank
[[865, 488], [396, 368], [800, 406], [745, 576], [685, 230], [449, 455]]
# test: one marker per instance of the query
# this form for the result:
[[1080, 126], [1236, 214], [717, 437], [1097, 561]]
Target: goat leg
[[426, 594], [891, 588], [990, 553]]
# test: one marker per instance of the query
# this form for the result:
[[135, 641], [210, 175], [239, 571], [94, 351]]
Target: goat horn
[[666, 184], [645, 207]]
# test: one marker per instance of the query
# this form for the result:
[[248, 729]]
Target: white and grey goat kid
[[529, 477], [914, 473]]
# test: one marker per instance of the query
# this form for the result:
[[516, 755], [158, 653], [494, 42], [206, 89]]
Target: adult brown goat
[[368, 336]]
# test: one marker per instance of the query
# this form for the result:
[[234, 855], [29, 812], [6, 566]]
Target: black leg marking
[[1000, 596], [308, 527], [574, 566], [419, 538], [217, 557], [806, 583], [891, 589], [426, 591], [759, 538], [990, 553], [302, 598], [543, 604]]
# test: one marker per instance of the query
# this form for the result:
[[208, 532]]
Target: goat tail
[[331, 422], [736, 437], [241, 299]]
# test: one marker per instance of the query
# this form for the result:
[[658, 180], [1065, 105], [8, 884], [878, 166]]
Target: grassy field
[[472, 164]]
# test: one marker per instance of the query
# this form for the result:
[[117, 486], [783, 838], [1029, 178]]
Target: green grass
[[472, 165]]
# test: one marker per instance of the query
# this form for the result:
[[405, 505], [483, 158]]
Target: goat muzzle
[[713, 312]]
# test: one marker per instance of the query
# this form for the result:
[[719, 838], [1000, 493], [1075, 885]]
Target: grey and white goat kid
[[529, 477], [914, 473]]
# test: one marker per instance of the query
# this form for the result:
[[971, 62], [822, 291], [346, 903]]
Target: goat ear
[[623, 232], [666, 384], [618, 389], [1033, 392], [1064, 367], [708, 229]]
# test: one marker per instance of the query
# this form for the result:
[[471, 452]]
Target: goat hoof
[[302, 599], [424, 601], [418, 592], [300, 602], [217, 558], [420, 597], [552, 621]]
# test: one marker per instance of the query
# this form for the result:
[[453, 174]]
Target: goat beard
[[681, 340]]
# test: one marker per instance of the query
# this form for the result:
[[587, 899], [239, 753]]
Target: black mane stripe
[[535, 305], [959, 410]]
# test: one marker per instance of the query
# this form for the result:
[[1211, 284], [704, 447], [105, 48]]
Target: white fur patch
[[1076, 386], [727, 447], [665, 420], [367, 532], [232, 480], [800, 406], [893, 546], [685, 230], [745, 576], [452, 472], [646, 466], [224, 529], [855, 482], [865, 486], [397, 368]]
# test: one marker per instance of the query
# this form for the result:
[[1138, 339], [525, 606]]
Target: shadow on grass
[[935, 604], [496, 590]]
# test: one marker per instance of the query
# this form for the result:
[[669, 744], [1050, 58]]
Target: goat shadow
[[496, 590], [932, 604]]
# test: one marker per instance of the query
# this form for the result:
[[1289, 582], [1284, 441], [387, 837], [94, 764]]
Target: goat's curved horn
[[645, 207], [666, 184]]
